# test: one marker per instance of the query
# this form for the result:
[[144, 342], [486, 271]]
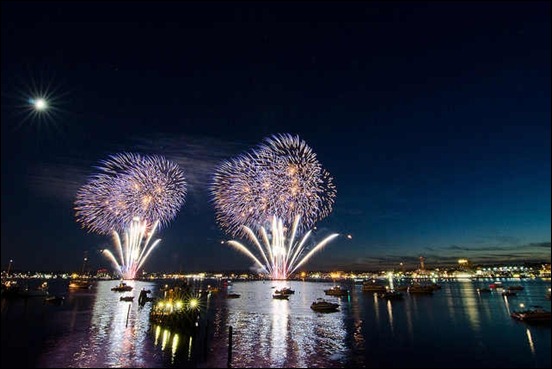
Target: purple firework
[[127, 186], [281, 178]]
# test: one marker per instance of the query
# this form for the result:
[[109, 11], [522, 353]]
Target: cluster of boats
[[142, 298], [323, 306], [13, 289], [395, 293]]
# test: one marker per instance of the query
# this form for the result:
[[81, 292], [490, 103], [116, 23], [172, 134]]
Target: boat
[[323, 306], [10, 289], [536, 314], [337, 291], [419, 289], [509, 293], [143, 297], [496, 284], [372, 287], [391, 295], [212, 289], [484, 290], [548, 294], [80, 284], [56, 300], [515, 288], [233, 296], [126, 298], [41, 291], [122, 287], [280, 296], [285, 291]]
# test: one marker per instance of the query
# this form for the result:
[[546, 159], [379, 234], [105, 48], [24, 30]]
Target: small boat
[[496, 284], [10, 289], [534, 315], [548, 294], [337, 291], [285, 291], [212, 289], [122, 287], [233, 296], [323, 306], [509, 293], [372, 287], [418, 289], [143, 297], [280, 296], [126, 298], [515, 288], [80, 284], [56, 300], [36, 292], [484, 290], [390, 295]]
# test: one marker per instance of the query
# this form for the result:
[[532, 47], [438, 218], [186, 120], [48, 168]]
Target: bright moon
[[40, 104]]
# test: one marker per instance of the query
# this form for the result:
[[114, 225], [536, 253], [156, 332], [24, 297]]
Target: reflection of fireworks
[[281, 258], [281, 178], [128, 186], [279, 182], [135, 249]]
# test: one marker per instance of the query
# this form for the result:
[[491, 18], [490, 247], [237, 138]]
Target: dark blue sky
[[433, 118]]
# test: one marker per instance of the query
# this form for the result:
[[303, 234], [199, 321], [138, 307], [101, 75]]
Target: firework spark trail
[[277, 185], [135, 250], [285, 257], [134, 194]]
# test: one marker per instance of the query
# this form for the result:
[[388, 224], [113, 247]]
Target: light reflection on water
[[269, 332], [116, 335], [459, 326]]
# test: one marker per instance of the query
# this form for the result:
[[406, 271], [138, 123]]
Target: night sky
[[433, 119]]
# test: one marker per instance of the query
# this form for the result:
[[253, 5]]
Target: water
[[456, 327]]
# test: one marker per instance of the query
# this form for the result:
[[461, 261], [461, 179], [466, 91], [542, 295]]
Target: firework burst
[[281, 185], [133, 194], [128, 186], [281, 178]]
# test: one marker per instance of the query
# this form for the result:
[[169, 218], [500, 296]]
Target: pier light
[[179, 304], [193, 303]]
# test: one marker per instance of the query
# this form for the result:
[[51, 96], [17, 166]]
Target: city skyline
[[437, 135]]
